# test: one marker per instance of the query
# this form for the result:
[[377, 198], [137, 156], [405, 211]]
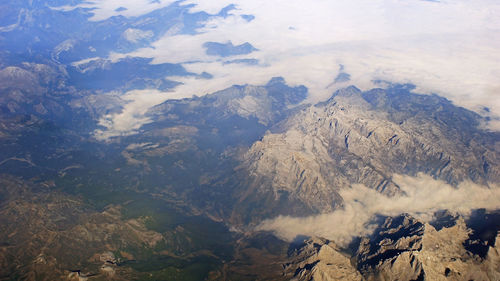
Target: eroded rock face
[[320, 259], [401, 248], [405, 249], [391, 249], [493, 258], [366, 137]]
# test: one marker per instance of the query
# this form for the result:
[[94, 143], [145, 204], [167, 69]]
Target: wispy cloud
[[132, 116], [134, 35], [424, 196]]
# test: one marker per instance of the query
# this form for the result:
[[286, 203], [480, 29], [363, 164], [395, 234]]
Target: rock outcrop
[[402, 248], [405, 249], [321, 260]]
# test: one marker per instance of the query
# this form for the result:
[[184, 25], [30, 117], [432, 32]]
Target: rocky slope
[[402, 248], [364, 137], [320, 259], [406, 249], [266, 104]]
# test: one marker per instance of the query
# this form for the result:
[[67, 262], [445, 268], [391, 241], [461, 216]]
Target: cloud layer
[[448, 47], [424, 196], [104, 9]]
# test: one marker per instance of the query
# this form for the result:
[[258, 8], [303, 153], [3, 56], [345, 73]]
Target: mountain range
[[190, 190]]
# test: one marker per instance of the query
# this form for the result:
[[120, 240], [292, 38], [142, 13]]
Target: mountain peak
[[276, 80]]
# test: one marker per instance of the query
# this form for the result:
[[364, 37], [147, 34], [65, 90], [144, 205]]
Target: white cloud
[[424, 196], [447, 47], [133, 35], [132, 116], [104, 9]]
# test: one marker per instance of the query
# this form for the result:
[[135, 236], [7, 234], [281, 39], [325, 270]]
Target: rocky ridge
[[366, 137], [402, 248], [320, 259]]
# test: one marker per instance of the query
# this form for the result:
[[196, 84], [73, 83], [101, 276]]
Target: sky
[[448, 47]]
